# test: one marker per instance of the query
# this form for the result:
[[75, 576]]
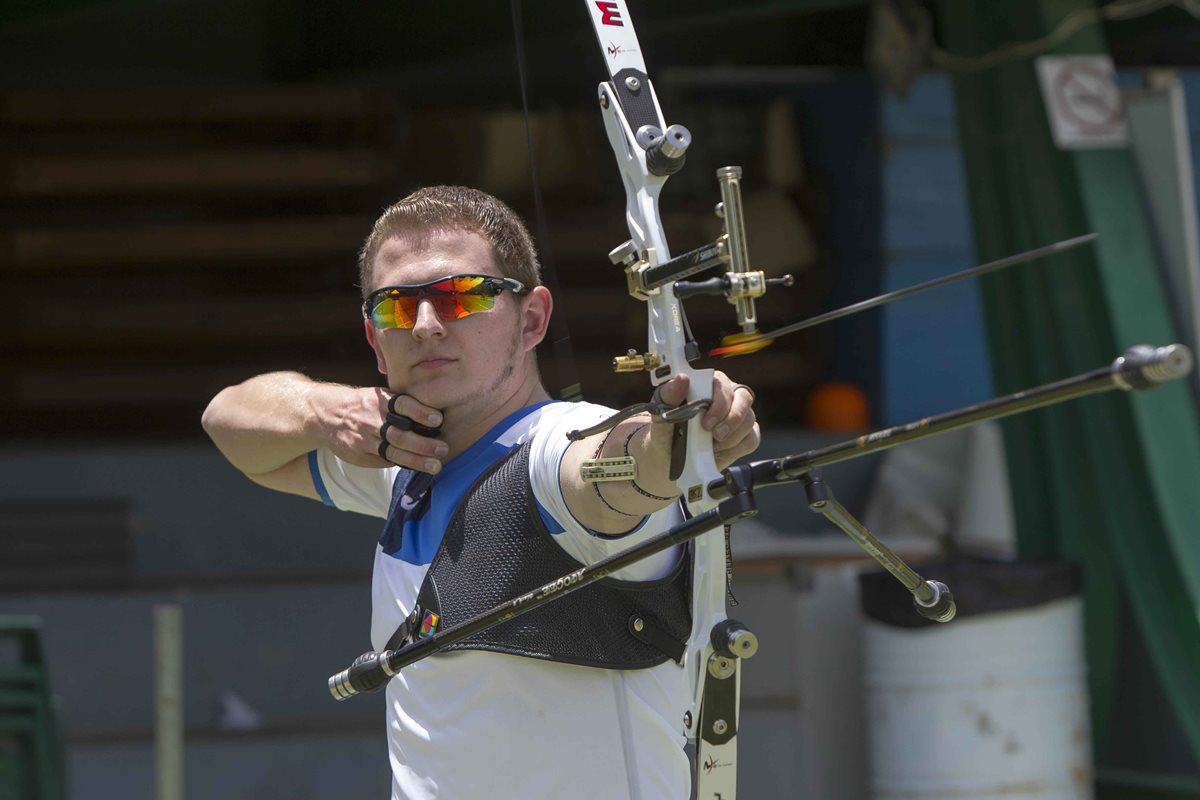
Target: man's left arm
[[615, 507]]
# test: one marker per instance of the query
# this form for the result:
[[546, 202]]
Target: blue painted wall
[[934, 348], [1191, 91]]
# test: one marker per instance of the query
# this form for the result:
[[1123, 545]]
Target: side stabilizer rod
[[932, 599]]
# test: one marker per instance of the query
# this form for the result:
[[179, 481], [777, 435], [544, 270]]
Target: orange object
[[740, 344], [838, 407]]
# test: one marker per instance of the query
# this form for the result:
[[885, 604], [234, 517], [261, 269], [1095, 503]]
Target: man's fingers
[[674, 391], [732, 421], [409, 449], [722, 402], [406, 406], [415, 461], [383, 442], [408, 436], [412, 442], [732, 429], [737, 448]]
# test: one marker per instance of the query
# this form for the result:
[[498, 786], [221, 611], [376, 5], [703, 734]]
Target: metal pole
[[168, 702]]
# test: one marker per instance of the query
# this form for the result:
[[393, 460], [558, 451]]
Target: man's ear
[[536, 309], [372, 334]]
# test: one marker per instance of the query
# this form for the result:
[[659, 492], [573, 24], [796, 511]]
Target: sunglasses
[[452, 298]]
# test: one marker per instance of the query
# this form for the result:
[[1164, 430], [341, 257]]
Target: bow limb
[[667, 339]]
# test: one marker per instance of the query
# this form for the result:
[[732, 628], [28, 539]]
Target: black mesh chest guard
[[497, 548]]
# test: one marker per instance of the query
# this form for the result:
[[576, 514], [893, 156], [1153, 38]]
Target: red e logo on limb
[[610, 14]]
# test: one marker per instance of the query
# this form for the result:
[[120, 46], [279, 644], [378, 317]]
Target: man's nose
[[427, 323]]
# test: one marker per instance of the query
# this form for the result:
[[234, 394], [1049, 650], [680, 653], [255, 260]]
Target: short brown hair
[[438, 209]]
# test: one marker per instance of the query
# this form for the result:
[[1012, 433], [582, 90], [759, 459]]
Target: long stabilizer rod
[[1141, 367]]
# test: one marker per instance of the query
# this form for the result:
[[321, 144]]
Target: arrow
[[738, 344]]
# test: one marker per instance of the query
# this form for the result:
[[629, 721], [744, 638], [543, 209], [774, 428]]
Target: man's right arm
[[267, 425]]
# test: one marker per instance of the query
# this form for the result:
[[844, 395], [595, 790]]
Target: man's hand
[[618, 506], [359, 431], [730, 417], [266, 426]]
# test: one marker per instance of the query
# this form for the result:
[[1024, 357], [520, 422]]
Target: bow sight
[[740, 285]]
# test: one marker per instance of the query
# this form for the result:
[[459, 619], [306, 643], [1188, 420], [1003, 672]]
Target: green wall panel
[[1112, 481]]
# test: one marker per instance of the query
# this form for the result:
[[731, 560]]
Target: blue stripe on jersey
[[422, 537], [318, 483], [550, 522]]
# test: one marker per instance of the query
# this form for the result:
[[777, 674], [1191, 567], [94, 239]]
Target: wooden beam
[[278, 171], [316, 104], [205, 244], [88, 324]]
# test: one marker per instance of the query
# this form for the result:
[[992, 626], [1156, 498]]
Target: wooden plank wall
[[157, 246]]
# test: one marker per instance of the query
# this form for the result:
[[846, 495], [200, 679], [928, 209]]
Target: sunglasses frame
[[492, 286]]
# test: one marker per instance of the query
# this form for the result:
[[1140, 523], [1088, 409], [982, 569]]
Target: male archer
[[567, 700]]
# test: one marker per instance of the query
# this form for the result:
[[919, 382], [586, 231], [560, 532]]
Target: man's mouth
[[433, 362]]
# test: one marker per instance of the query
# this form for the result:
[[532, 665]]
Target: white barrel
[[991, 706]]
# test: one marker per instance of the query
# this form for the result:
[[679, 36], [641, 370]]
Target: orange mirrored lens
[[453, 298]]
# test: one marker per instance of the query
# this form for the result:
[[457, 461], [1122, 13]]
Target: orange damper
[[838, 407]]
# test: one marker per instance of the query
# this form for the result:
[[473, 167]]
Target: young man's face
[[474, 361]]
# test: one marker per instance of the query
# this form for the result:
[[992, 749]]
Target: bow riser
[[666, 336]]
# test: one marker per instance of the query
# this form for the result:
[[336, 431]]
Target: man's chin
[[440, 394]]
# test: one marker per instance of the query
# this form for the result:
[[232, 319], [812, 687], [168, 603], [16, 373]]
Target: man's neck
[[465, 425]]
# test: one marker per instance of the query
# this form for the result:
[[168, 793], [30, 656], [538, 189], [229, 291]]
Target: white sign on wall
[[1082, 101]]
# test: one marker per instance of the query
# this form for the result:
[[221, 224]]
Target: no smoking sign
[[1083, 101]]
